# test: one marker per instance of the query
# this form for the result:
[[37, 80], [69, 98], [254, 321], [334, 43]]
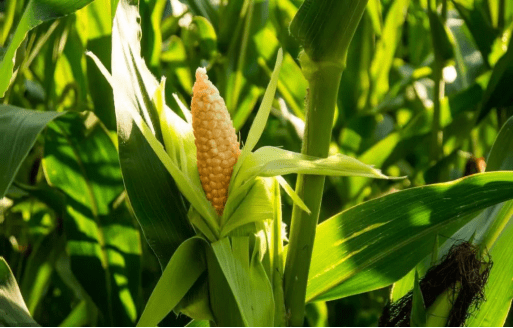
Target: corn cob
[[215, 139]]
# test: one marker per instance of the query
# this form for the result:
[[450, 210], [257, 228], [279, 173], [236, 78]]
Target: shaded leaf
[[19, 129]]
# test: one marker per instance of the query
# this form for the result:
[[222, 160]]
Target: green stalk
[[436, 132], [439, 88], [324, 81], [277, 260]]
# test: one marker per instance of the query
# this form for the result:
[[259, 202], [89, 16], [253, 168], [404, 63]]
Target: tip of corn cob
[[215, 138]]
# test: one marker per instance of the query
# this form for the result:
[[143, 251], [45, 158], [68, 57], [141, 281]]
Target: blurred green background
[[405, 66]]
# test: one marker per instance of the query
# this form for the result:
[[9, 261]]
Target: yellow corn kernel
[[215, 138]]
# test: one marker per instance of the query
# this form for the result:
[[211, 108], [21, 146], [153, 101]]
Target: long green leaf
[[499, 288], [498, 241], [154, 196], [13, 311], [272, 161], [374, 244], [36, 12], [184, 268], [19, 129]]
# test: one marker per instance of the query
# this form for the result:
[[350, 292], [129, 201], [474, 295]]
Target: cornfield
[[256, 163]]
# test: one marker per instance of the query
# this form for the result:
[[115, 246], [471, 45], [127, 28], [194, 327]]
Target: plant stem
[[277, 260], [436, 132], [437, 137], [324, 81]]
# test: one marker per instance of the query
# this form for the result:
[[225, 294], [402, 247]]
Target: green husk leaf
[[182, 271], [258, 205], [247, 280], [138, 105], [292, 194], [418, 310], [257, 128], [192, 192]]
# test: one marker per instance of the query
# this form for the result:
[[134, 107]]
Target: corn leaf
[[198, 323], [418, 310], [36, 12], [19, 129], [101, 241], [386, 48], [326, 39], [256, 206], [155, 198], [498, 292], [372, 245], [182, 271], [13, 311], [94, 34], [498, 239], [247, 280], [272, 161], [443, 43], [500, 158], [257, 128], [497, 93], [292, 194]]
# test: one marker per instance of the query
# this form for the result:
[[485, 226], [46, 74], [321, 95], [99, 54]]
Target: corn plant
[[127, 172]]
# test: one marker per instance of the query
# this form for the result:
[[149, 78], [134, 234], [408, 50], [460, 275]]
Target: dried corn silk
[[215, 138]]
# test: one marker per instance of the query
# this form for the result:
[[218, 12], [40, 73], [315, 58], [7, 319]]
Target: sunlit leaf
[[184, 268], [374, 244]]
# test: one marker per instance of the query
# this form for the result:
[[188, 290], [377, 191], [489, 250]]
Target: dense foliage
[[425, 91]]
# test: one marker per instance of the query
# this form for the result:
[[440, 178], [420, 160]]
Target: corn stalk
[[325, 29]]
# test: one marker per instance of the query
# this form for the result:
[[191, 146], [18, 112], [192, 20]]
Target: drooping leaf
[[36, 12], [374, 244], [19, 129]]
